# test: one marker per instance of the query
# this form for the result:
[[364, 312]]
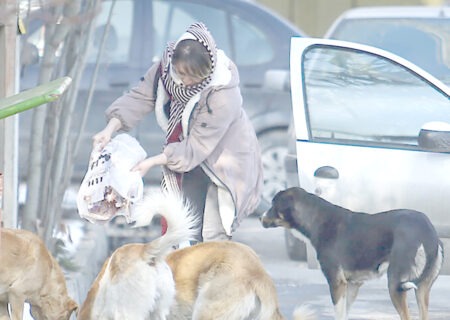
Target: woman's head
[[191, 61]]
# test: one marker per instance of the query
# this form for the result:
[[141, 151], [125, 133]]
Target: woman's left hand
[[146, 164]]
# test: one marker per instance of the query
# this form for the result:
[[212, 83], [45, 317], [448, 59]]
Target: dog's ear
[[281, 215], [285, 204], [286, 200]]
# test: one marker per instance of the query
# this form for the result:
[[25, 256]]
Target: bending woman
[[211, 153]]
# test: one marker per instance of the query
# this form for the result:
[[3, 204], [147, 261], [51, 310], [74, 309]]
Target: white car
[[372, 130], [420, 34]]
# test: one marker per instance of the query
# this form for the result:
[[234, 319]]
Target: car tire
[[273, 145], [296, 249]]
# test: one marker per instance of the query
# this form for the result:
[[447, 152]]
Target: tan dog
[[224, 280], [29, 273], [135, 282]]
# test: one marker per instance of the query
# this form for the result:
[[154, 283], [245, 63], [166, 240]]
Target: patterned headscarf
[[181, 94]]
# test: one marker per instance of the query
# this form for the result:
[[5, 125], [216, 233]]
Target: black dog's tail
[[430, 271]]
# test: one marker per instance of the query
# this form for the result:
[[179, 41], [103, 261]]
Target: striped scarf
[[180, 94]]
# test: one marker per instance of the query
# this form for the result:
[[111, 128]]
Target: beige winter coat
[[217, 135]]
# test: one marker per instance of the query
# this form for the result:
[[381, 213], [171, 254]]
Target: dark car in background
[[256, 39]]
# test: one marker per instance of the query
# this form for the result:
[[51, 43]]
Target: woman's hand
[[146, 164], [101, 139]]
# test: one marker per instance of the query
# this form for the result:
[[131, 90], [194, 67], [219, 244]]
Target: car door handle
[[326, 172], [118, 84], [252, 85]]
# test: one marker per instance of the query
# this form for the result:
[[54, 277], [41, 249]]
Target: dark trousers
[[194, 187]]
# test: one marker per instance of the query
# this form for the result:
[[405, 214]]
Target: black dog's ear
[[282, 215], [284, 203], [287, 198], [282, 196]]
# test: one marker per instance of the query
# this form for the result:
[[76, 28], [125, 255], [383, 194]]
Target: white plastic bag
[[109, 188]]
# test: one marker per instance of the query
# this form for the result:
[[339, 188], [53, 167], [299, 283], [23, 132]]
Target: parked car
[[371, 130], [420, 34], [256, 39]]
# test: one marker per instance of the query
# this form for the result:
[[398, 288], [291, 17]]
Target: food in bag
[[109, 187]]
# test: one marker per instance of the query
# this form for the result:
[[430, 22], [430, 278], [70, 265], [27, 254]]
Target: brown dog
[[135, 282], [29, 273], [213, 280], [223, 280]]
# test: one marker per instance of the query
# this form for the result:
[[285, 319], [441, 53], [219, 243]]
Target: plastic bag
[[109, 188]]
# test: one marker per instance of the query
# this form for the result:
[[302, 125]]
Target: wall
[[315, 16]]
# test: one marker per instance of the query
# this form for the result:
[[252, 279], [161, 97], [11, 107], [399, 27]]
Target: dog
[[29, 273], [213, 280], [135, 282], [353, 247], [224, 280]]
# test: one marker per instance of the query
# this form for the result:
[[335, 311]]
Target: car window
[[172, 18], [118, 41], [251, 45], [247, 45], [425, 42], [360, 98]]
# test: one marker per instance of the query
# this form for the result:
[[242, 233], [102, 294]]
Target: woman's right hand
[[102, 138]]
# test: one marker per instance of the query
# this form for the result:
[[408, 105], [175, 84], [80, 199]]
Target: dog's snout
[[266, 222], [261, 217]]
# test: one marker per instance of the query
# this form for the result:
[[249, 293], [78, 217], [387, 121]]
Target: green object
[[31, 98]]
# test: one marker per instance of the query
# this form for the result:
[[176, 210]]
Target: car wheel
[[273, 151], [296, 249]]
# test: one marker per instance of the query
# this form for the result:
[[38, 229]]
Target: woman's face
[[183, 73]]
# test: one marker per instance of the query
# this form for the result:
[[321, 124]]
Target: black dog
[[353, 247]]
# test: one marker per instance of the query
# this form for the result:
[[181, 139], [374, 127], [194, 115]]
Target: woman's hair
[[194, 57]]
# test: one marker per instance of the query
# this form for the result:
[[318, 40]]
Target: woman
[[211, 153]]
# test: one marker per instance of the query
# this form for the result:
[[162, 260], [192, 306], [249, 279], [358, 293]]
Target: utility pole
[[8, 126]]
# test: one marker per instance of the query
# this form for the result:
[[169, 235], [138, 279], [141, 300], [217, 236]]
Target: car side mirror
[[277, 79], [435, 136]]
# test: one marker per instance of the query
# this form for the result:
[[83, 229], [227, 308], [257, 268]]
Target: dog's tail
[[431, 269], [180, 219]]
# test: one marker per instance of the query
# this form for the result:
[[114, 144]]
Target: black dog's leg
[[352, 292], [338, 291], [424, 287], [422, 298], [398, 297]]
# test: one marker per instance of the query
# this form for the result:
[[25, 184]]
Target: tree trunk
[[67, 34]]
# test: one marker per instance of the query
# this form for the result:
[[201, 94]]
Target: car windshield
[[425, 42]]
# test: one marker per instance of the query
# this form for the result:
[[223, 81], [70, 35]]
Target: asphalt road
[[297, 284]]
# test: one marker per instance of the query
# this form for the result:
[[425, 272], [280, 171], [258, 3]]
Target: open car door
[[362, 119]]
